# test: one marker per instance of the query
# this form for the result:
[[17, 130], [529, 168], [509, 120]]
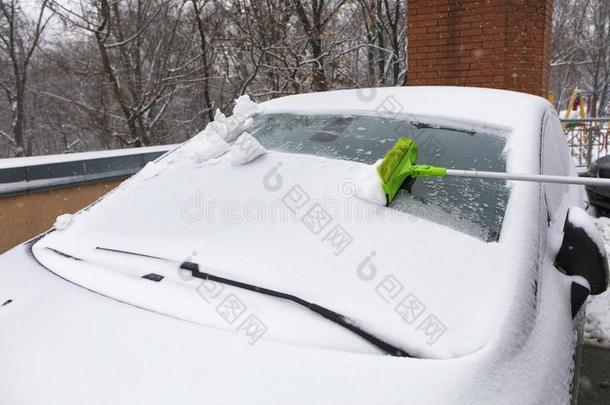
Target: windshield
[[472, 206]]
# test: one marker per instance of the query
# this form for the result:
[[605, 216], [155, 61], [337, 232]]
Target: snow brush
[[398, 167]]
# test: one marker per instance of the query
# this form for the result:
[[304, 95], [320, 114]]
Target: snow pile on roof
[[245, 108], [597, 328], [245, 149], [208, 146], [214, 140], [227, 128], [210, 143], [231, 127]]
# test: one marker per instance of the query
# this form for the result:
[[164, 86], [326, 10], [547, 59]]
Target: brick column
[[502, 44]]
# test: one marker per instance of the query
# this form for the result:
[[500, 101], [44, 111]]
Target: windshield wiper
[[333, 316]]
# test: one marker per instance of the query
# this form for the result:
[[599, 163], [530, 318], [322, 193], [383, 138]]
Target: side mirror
[[582, 251]]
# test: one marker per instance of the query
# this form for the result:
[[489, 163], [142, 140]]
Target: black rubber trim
[[390, 348], [134, 254], [30, 253], [320, 310], [153, 277], [67, 256]]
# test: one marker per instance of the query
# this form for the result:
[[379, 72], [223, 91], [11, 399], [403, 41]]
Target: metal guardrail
[[26, 178], [587, 139]]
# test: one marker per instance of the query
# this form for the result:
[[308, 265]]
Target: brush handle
[[540, 178]]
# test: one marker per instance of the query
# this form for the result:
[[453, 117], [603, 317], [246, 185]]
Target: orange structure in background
[[24, 216]]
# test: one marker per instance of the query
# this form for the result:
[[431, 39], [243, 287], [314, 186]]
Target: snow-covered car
[[250, 265]]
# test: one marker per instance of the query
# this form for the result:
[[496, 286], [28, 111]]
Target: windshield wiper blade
[[318, 309], [67, 256], [331, 315]]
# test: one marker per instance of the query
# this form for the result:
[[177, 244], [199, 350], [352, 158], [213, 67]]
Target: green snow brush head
[[396, 166]]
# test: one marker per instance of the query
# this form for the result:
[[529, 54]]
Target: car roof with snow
[[424, 287]]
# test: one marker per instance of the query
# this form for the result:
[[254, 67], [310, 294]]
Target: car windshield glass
[[473, 206]]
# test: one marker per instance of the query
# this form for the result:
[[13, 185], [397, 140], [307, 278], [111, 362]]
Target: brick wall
[[486, 43]]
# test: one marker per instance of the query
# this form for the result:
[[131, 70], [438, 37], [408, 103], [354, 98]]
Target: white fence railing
[[587, 138]]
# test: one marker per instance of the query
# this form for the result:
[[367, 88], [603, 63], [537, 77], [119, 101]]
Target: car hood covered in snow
[[288, 223], [291, 223]]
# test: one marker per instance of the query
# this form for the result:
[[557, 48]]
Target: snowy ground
[[597, 328]]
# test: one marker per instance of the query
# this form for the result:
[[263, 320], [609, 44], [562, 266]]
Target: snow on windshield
[[472, 206], [195, 202]]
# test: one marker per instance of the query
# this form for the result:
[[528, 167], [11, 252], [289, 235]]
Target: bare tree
[[142, 72], [581, 51], [143, 49], [266, 51], [19, 38], [206, 50], [384, 24], [597, 52], [314, 16]]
